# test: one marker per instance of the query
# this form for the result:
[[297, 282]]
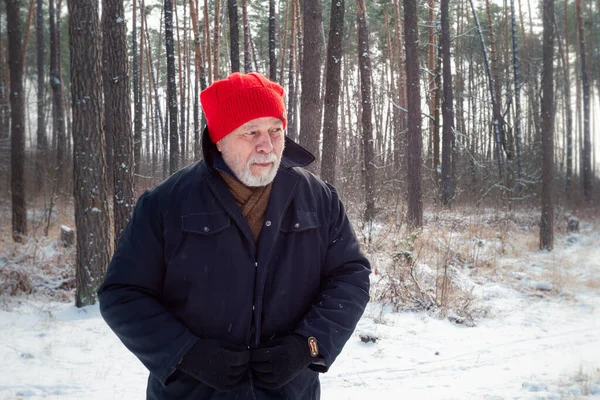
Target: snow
[[539, 339]]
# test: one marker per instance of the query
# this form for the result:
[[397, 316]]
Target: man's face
[[253, 151]]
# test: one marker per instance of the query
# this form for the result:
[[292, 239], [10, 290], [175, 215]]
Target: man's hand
[[280, 361], [216, 364]]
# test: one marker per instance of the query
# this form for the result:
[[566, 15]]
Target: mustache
[[262, 159]]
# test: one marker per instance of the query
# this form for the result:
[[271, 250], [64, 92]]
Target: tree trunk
[[181, 73], [17, 123], [206, 31], [137, 93], [433, 88], [517, 94], [364, 65], [58, 109], [311, 106], [547, 220], [494, 62], [247, 46], [234, 36], [143, 82], [4, 91], [473, 108], [188, 81], [42, 139], [447, 110], [332, 91], [25, 44], [117, 108], [585, 85], [300, 42], [200, 75], [171, 89], [153, 122], [166, 140], [395, 112], [217, 42], [284, 45], [91, 206], [579, 132], [158, 119], [197, 149], [272, 42], [463, 136], [198, 59], [497, 115], [569, 111], [437, 99], [399, 119], [108, 112], [291, 128], [414, 148]]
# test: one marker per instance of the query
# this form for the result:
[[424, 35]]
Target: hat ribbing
[[231, 102]]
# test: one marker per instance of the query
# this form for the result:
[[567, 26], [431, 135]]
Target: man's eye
[[251, 133]]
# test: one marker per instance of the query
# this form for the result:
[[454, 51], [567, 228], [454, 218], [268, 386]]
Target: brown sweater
[[252, 201]]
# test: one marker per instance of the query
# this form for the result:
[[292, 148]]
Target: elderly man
[[239, 277]]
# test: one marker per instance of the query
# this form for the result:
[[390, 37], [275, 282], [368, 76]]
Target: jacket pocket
[[205, 223], [300, 221]]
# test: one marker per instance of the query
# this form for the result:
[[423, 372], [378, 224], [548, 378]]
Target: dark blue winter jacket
[[187, 267]]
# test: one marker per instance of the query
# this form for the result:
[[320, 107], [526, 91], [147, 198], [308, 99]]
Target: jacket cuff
[[324, 360], [319, 365], [188, 341]]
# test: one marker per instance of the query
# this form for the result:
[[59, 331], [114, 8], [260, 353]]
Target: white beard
[[266, 177], [244, 173]]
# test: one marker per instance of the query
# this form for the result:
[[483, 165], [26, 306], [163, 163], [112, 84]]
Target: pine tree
[[17, 124], [171, 89], [117, 109], [42, 139], [332, 91], [547, 220], [311, 105], [92, 218], [234, 36], [447, 109], [272, 42], [585, 85], [414, 148], [58, 107], [364, 63]]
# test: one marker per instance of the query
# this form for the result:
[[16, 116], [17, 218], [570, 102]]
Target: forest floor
[[482, 314]]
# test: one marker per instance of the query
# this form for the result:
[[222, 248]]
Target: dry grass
[[436, 269], [41, 266], [583, 384], [592, 284]]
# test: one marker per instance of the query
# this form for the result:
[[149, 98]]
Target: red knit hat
[[231, 102]]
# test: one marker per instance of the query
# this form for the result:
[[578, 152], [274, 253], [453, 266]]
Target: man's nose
[[264, 143]]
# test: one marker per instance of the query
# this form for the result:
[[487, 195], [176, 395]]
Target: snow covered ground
[[539, 339]]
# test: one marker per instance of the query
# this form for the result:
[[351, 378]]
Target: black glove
[[280, 361], [218, 365]]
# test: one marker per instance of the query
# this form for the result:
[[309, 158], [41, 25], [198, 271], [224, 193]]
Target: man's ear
[[219, 145]]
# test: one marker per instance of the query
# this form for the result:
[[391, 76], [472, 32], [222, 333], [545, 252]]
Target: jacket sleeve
[[344, 290], [130, 295]]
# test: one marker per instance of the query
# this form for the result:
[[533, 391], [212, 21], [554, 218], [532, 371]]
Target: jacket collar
[[294, 155]]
